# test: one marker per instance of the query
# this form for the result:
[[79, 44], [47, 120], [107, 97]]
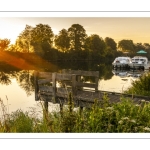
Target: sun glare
[[10, 30]]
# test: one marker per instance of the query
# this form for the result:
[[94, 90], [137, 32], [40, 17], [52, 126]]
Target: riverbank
[[122, 117]]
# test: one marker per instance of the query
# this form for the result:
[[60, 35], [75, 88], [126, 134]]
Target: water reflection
[[18, 84], [128, 73], [25, 80], [5, 78]]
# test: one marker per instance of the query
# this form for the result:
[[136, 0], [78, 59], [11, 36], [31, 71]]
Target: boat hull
[[139, 62], [121, 62]]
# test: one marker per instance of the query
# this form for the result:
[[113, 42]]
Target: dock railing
[[47, 89]]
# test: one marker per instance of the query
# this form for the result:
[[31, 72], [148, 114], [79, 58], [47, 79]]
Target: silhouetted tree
[[24, 40], [77, 36], [96, 46], [4, 44], [41, 35], [62, 41], [111, 43], [126, 45]]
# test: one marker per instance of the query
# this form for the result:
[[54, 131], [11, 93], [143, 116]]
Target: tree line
[[70, 44]]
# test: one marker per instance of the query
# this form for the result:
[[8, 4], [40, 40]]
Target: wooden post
[[80, 110], [79, 80], [61, 108], [54, 85], [46, 106], [74, 92], [36, 85], [96, 81], [45, 111], [96, 84]]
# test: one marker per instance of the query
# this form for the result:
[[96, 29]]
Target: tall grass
[[103, 117]]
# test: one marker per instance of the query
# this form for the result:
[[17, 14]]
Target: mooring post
[[36, 85], [73, 85], [45, 110], [96, 81], [80, 110], [46, 106], [54, 85], [79, 81], [61, 108]]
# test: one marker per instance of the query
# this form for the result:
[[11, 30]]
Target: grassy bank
[[103, 117]]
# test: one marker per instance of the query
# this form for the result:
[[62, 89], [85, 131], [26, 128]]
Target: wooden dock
[[55, 87]]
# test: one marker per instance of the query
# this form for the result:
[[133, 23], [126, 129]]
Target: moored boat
[[139, 62], [121, 62]]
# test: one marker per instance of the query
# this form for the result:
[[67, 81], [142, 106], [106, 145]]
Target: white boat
[[122, 62], [139, 62]]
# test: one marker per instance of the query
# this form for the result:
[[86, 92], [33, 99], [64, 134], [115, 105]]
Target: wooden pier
[[55, 87]]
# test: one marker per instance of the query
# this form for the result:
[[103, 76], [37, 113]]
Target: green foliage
[[140, 86], [102, 117], [19, 122], [111, 43], [96, 45], [126, 45], [68, 120], [77, 35], [62, 41], [24, 40]]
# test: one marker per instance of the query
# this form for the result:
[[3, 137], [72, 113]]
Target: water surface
[[17, 86]]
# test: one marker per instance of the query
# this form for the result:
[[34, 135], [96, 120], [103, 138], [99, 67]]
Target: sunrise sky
[[118, 28]]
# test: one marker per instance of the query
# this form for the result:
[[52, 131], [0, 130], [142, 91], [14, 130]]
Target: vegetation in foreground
[[105, 117], [140, 86]]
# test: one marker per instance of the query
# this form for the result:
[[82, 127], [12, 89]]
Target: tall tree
[[139, 46], [126, 45], [24, 39], [41, 38], [77, 36], [111, 43], [62, 41], [96, 44], [146, 46], [4, 44]]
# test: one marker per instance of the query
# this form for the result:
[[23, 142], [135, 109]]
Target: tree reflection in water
[[25, 78], [5, 78]]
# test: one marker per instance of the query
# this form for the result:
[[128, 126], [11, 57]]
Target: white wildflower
[[39, 123], [142, 100], [133, 121], [147, 129], [110, 108], [120, 122], [125, 118]]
